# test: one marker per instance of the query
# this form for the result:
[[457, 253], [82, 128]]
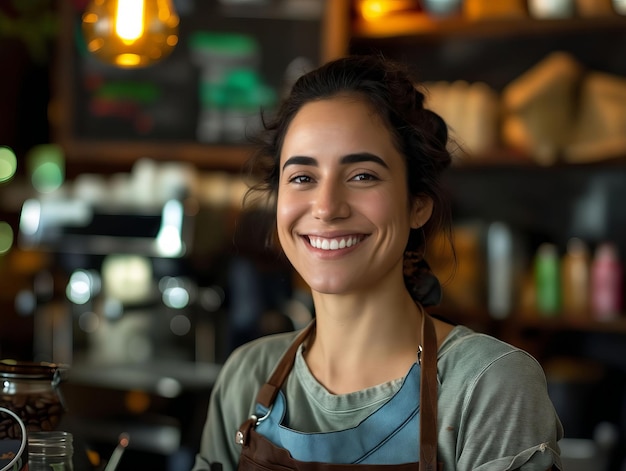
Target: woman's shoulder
[[467, 350], [258, 357]]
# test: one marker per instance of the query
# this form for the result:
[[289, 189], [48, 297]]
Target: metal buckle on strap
[[258, 420], [419, 354], [243, 432]]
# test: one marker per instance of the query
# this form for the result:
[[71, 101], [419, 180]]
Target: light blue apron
[[388, 436]]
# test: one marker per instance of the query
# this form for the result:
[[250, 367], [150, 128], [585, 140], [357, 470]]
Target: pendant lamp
[[130, 33]]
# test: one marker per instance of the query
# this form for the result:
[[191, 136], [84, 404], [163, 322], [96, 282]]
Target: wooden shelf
[[503, 158], [567, 323], [520, 321], [204, 156], [422, 25]]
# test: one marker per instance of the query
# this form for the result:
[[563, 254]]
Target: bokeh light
[[25, 302], [82, 286], [46, 166], [89, 322], [137, 402], [6, 237], [169, 387], [212, 298], [127, 278], [176, 297], [375, 9], [180, 325], [8, 164], [112, 308]]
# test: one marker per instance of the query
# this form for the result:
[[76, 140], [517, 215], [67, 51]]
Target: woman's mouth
[[335, 243]]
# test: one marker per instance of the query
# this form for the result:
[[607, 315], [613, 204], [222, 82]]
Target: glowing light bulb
[[375, 9], [129, 20], [130, 33]]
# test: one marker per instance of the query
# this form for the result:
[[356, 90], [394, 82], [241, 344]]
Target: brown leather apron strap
[[428, 396], [269, 390]]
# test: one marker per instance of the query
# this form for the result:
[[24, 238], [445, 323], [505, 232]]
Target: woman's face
[[343, 212]]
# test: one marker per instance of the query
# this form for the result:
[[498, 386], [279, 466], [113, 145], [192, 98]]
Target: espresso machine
[[125, 289], [133, 301]]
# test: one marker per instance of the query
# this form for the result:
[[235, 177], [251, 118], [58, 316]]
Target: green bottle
[[547, 280]]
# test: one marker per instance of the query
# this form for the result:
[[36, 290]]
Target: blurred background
[[125, 253]]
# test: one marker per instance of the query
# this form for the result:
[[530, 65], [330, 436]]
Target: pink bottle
[[606, 283]]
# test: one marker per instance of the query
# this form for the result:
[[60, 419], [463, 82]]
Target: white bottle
[[500, 271]]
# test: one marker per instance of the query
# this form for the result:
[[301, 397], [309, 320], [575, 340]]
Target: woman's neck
[[362, 341]]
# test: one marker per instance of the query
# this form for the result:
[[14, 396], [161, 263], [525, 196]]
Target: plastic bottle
[[575, 268], [500, 270], [548, 280], [50, 450], [606, 282]]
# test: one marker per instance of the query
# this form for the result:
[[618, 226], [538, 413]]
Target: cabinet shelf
[[524, 321], [504, 158], [231, 157], [421, 25], [204, 156], [565, 323]]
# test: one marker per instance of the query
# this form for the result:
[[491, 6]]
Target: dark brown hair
[[419, 134]]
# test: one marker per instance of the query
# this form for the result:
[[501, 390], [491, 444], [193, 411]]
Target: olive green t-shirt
[[494, 412]]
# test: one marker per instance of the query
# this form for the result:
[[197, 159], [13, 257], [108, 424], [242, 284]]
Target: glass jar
[[31, 390], [13, 452], [50, 451]]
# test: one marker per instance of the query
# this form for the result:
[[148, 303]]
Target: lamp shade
[[130, 33]]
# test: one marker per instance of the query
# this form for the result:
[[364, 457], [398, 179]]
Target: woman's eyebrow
[[300, 160], [346, 159], [363, 157]]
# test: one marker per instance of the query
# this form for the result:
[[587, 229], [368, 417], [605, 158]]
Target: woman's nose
[[330, 202]]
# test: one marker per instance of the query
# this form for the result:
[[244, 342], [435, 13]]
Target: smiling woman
[[345, 189], [352, 164]]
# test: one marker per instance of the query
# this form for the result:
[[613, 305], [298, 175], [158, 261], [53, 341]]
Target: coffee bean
[[40, 411], [19, 401]]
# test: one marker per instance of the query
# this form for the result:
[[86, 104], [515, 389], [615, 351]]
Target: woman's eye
[[300, 179], [364, 177]]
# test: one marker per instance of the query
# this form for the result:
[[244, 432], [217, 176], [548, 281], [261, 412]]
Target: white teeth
[[333, 244]]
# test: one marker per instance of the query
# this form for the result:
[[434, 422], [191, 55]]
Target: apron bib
[[260, 453]]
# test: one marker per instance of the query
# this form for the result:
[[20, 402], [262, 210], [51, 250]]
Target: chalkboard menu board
[[233, 58]]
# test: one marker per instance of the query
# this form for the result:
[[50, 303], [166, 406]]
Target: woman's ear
[[421, 211]]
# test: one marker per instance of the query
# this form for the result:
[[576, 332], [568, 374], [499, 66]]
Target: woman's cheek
[[285, 217]]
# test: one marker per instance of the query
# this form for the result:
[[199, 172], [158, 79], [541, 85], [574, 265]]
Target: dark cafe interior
[[130, 269]]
